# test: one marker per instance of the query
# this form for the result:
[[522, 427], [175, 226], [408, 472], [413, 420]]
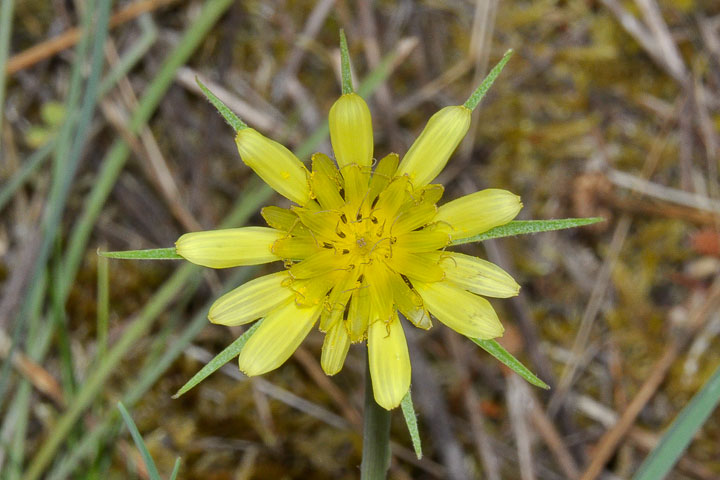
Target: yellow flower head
[[364, 241]]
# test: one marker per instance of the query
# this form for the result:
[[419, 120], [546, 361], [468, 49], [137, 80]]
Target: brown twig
[[40, 378]]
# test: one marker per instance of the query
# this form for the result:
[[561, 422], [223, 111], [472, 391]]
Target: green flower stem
[[376, 435]]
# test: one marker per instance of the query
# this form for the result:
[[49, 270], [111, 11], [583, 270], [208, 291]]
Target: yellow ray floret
[[231, 247], [432, 149], [464, 312], [389, 362], [275, 164], [351, 131], [479, 212], [277, 338], [251, 301]]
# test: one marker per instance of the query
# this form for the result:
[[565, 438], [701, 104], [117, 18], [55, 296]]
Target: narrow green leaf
[[176, 469], [497, 351], [411, 421], [232, 351], [678, 436], [232, 119], [139, 443], [525, 227], [480, 92], [347, 86], [151, 254]]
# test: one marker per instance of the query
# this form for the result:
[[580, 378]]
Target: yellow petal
[[334, 349], [423, 240], [295, 248], [283, 219], [392, 198], [377, 278], [312, 291], [479, 212], [429, 193], [358, 314], [323, 182], [384, 172], [464, 312], [389, 363], [429, 154], [414, 217], [351, 131], [478, 276], [279, 335], [275, 164], [339, 298], [409, 302], [251, 300], [417, 266], [323, 223], [230, 247], [356, 185], [320, 263]]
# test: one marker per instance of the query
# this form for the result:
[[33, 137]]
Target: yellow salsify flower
[[364, 242]]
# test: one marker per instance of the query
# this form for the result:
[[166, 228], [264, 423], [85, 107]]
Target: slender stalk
[[376, 435]]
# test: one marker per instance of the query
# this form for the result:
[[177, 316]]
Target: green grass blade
[[37, 158], [134, 54], [151, 254], [139, 443], [229, 116], [681, 432], [176, 469], [408, 411], [497, 351], [480, 91], [6, 16], [232, 351], [525, 227]]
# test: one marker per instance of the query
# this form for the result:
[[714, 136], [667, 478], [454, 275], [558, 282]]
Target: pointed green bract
[[408, 411], [480, 92], [497, 351], [232, 119], [525, 227], [151, 254], [232, 351], [347, 86]]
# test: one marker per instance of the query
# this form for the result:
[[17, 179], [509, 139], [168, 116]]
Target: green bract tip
[[347, 86], [232, 119], [480, 92]]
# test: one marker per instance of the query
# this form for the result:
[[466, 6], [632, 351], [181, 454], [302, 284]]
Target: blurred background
[[608, 108]]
